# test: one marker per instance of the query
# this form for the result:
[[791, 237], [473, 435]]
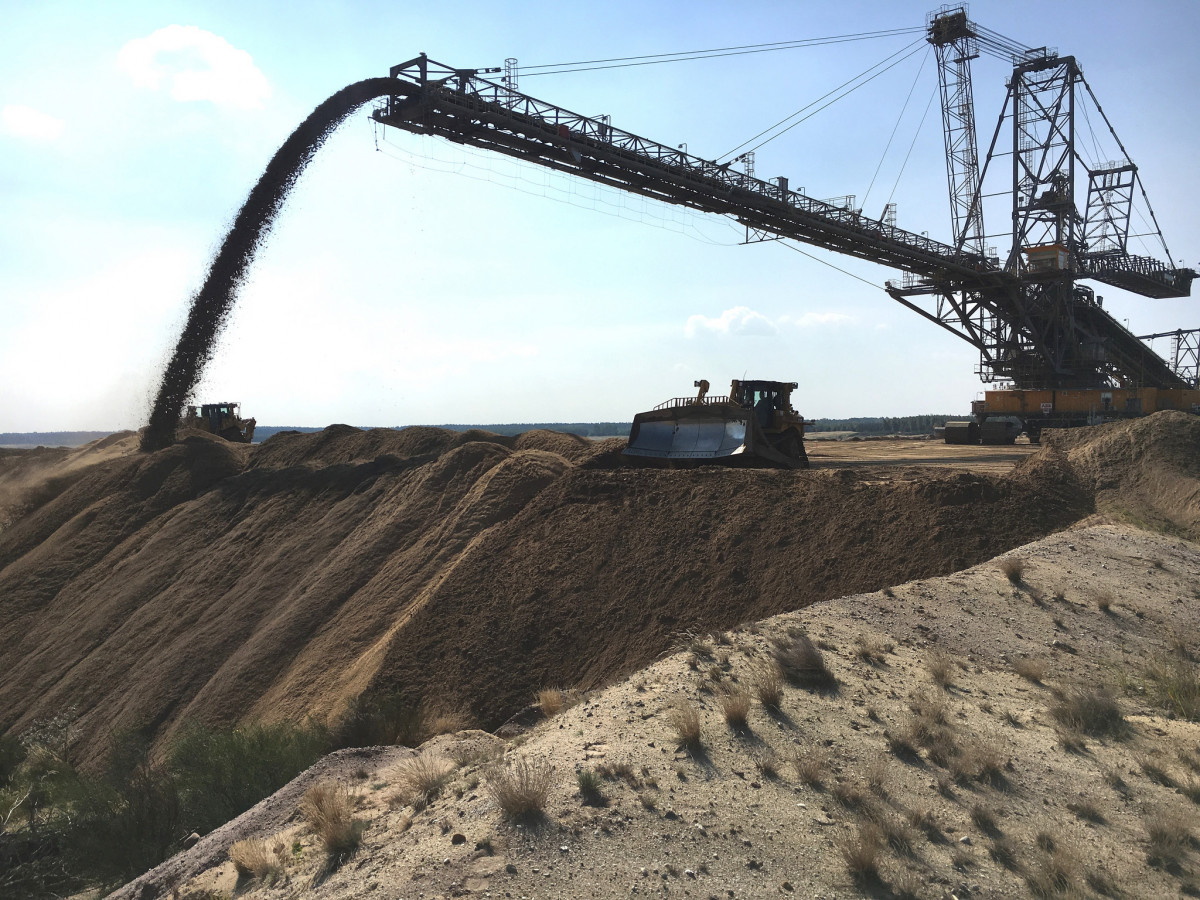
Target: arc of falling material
[[212, 304]]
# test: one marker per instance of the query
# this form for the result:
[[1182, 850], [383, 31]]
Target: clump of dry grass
[[872, 650], [1054, 873], [878, 776], [1173, 683], [1168, 836], [255, 858], [848, 794], [551, 701], [589, 787], [1087, 810], [979, 762], [1103, 601], [801, 663], [810, 766], [521, 787], [685, 719], [1091, 710], [1004, 852], [735, 705], [1013, 568], [861, 853], [767, 684], [1030, 669], [422, 778], [329, 810], [767, 762], [984, 819], [941, 667]]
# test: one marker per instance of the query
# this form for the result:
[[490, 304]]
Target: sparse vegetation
[[1089, 710], [766, 761], [521, 787], [801, 663], [767, 685], [328, 808], [872, 650], [1103, 601], [1013, 568], [941, 667], [589, 787], [811, 766], [1168, 836], [422, 778], [1173, 684], [861, 853], [984, 819], [735, 705], [255, 858], [1030, 669], [550, 701], [685, 719]]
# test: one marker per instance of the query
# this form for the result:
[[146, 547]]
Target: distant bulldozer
[[221, 419], [754, 425]]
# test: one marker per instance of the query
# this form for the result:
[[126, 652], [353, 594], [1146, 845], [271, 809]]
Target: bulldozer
[[221, 419], [754, 425]]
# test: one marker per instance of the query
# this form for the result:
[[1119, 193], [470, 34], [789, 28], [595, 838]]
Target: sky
[[413, 281]]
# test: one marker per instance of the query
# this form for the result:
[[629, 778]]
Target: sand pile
[[1146, 471], [218, 582]]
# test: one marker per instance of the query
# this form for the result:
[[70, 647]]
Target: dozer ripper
[[221, 419], [754, 425]]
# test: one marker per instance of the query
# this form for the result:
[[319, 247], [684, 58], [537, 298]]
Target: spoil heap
[[222, 582]]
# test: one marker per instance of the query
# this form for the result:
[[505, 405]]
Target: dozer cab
[[221, 419], [754, 425]]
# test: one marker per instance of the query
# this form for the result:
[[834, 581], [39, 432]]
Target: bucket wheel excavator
[[1041, 332]]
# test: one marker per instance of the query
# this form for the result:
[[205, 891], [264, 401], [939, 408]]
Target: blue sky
[[413, 281]]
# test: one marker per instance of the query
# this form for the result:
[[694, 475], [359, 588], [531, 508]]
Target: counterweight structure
[[1032, 321]]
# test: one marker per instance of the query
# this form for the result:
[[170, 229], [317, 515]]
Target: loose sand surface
[[467, 572], [1002, 805]]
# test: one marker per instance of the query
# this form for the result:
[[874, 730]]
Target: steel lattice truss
[[1032, 329]]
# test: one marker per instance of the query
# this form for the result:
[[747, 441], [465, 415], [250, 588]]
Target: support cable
[[685, 55], [920, 125], [896, 127], [828, 263], [908, 47]]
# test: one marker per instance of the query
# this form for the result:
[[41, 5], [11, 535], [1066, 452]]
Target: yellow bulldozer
[[754, 425], [221, 419]]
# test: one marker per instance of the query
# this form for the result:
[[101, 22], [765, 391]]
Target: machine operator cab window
[[765, 404]]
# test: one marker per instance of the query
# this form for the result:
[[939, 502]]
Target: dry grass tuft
[[735, 705], [1004, 852], [801, 663], [1087, 810], [861, 853], [1168, 837], [767, 684], [1173, 683], [1103, 601], [872, 650], [878, 776], [551, 701], [1013, 568], [1055, 873], [685, 719], [1030, 669], [589, 787], [811, 767], [941, 667], [767, 763], [254, 858], [422, 778], [521, 788], [1089, 710], [328, 808], [849, 795], [984, 819]]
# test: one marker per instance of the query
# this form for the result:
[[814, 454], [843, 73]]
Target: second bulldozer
[[754, 425]]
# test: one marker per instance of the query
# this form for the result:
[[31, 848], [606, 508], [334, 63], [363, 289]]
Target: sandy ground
[[903, 453], [1004, 808]]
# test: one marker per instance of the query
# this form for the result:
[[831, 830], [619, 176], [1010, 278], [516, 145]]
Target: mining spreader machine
[[1040, 332]]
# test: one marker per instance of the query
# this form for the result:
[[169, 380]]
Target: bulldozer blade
[[687, 437]]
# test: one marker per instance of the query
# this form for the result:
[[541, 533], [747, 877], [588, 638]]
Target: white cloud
[[813, 319], [27, 122], [193, 64], [740, 321]]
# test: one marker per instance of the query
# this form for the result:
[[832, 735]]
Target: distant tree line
[[884, 424]]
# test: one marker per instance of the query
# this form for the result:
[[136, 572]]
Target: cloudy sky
[[412, 281]]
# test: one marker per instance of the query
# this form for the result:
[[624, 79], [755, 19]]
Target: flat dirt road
[[992, 460]]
